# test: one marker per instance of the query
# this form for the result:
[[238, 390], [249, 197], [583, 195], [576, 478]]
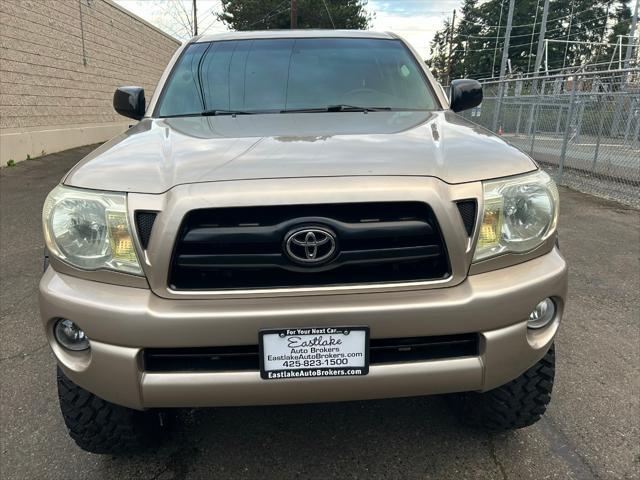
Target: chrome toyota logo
[[310, 245]]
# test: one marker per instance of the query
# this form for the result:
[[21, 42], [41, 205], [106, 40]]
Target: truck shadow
[[412, 437]]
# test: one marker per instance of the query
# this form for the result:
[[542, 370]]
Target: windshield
[[279, 75]]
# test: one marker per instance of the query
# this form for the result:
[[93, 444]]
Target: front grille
[[244, 247], [246, 358]]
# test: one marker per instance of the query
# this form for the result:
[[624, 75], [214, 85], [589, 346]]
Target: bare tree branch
[[186, 14]]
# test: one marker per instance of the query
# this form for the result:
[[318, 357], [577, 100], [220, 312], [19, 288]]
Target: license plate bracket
[[308, 352]]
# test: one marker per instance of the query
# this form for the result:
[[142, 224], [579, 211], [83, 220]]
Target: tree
[[622, 26], [275, 14], [480, 32], [438, 61], [578, 21], [465, 38], [173, 16]]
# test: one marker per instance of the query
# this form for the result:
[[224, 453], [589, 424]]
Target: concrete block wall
[[60, 62]]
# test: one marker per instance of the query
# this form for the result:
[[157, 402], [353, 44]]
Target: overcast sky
[[415, 20]]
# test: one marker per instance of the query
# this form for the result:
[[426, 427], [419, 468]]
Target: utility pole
[[536, 68], [294, 14], [543, 31], [533, 31], [566, 48], [632, 36], [503, 63], [507, 39], [603, 36], [617, 114], [195, 19], [453, 24], [495, 47]]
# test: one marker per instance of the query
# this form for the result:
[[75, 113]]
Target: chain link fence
[[584, 128]]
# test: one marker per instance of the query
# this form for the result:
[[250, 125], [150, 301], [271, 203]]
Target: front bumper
[[122, 321]]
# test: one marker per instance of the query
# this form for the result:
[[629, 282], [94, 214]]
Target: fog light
[[70, 336], [544, 312]]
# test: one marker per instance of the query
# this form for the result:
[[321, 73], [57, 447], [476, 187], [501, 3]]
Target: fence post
[[534, 99], [497, 107], [567, 128], [534, 125], [634, 113], [559, 121], [600, 126], [579, 122], [518, 122], [627, 129]]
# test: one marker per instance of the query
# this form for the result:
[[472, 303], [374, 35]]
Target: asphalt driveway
[[592, 428]]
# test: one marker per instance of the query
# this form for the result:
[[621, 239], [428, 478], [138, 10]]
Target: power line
[[273, 13], [478, 75], [492, 37], [329, 13], [551, 40], [550, 70], [530, 24], [186, 14], [203, 17], [489, 39], [212, 13], [204, 30], [521, 45]]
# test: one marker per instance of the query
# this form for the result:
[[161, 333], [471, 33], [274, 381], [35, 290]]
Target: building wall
[[60, 62]]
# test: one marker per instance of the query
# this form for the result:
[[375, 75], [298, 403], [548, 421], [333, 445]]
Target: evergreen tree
[[479, 35], [465, 38], [438, 60], [574, 20], [275, 14], [622, 26]]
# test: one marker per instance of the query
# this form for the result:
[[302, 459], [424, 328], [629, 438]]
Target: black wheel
[[517, 404], [98, 426]]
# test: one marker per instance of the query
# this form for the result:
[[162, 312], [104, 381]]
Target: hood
[[158, 154]]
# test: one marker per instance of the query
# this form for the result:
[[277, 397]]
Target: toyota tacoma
[[297, 217]]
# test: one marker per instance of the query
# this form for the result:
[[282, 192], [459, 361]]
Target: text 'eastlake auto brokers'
[[313, 352]]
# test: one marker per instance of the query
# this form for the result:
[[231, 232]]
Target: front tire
[[98, 426], [517, 404]]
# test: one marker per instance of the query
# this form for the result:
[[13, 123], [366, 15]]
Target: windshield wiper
[[337, 108], [214, 113], [353, 108]]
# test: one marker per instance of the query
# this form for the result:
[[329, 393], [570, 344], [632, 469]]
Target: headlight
[[89, 230], [519, 214]]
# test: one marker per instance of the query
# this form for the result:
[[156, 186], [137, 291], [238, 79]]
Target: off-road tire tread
[[517, 404], [98, 426]]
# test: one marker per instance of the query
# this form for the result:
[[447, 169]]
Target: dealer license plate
[[314, 352]]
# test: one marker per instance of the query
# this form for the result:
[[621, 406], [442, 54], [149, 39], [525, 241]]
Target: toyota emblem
[[310, 245]]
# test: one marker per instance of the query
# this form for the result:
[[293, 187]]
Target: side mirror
[[129, 101], [465, 94]]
